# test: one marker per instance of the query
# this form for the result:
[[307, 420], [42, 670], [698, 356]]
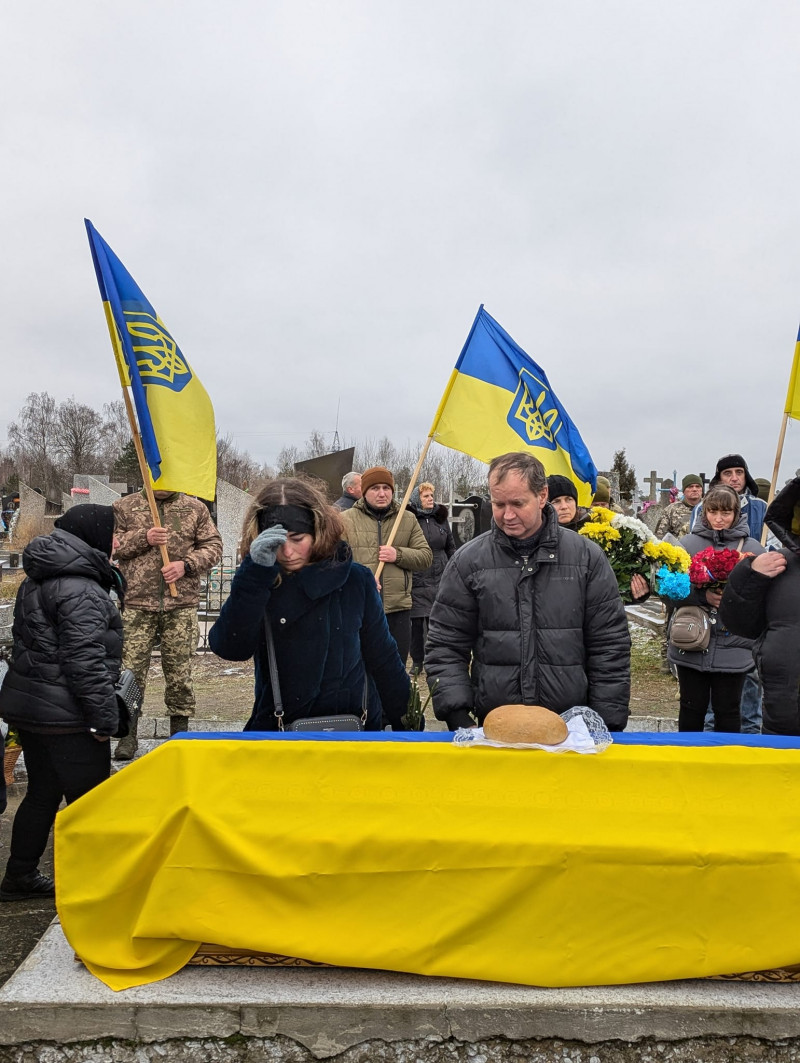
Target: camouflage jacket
[[676, 519], [192, 539]]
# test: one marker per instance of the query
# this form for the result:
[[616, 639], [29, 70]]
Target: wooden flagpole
[[145, 470], [404, 504], [778, 456]]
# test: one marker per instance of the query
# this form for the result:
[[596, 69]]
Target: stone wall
[[232, 504], [101, 492]]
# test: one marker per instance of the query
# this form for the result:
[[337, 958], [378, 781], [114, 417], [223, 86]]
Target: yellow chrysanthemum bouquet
[[632, 549]]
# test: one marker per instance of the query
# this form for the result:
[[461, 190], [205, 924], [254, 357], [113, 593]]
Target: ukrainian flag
[[176, 418], [499, 400], [793, 396]]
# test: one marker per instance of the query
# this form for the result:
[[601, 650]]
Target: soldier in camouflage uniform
[[676, 518], [194, 546]]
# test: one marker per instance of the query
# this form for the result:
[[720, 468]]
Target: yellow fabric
[[641, 864], [793, 394], [473, 418]]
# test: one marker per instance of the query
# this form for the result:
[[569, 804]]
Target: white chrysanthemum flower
[[638, 527]]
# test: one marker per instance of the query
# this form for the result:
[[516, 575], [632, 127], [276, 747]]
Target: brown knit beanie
[[376, 475]]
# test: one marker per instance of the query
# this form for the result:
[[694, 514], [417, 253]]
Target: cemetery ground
[[224, 691]]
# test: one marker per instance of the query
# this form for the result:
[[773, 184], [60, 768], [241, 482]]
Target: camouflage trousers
[[178, 632]]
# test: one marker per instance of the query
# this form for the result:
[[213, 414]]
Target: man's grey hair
[[349, 479], [529, 468]]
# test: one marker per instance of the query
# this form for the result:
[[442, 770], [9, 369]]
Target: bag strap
[[273, 673], [276, 686]]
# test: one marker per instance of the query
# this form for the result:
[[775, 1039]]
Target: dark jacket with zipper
[[439, 537], [67, 640], [549, 630], [328, 625], [767, 609]]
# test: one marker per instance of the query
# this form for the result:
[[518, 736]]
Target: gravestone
[[232, 506], [653, 480]]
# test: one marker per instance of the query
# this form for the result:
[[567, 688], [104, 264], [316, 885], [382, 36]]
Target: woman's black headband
[[295, 519]]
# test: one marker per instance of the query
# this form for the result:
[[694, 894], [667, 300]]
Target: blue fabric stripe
[[632, 738]]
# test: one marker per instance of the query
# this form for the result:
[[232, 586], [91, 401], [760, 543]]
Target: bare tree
[[7, 467], [234, 465], [115, 433], [33, 441], [316, 445], [287, 456], [78, 433]]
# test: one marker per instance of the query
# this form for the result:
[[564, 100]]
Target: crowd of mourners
[[337, 604]]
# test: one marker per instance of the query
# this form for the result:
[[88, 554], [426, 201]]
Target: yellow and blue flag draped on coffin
[[498, 400], [176, 418], [641, 864]]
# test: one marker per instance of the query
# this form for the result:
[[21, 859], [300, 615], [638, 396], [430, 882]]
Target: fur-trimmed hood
[[783, 515]]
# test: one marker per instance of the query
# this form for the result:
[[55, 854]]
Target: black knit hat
[[561, 485], [735, 461], [93, 524]]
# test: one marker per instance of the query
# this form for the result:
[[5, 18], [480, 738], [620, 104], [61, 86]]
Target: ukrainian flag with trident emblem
[[498, 400], [176, 418]]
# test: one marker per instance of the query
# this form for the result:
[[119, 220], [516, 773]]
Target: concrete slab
[[53, 998]]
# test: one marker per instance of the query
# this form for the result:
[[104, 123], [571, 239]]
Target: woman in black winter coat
[[325, 615], [762, 602], [59, 691], [433, 522]]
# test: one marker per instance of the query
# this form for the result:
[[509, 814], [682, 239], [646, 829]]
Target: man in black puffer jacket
[[535, 609], [59, 692]]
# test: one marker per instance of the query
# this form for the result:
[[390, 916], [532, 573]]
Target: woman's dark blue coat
[[327, 623]]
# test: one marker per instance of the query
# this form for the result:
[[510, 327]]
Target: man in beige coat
[[367, 526], [194, 546]]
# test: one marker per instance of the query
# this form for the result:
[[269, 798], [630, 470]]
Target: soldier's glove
[[265, 546]]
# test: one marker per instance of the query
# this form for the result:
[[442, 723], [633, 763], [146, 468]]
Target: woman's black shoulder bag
[[313, 723]]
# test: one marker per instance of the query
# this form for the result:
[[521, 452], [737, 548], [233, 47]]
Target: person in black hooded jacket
[[762, 602], [59, 692], [436, 529]]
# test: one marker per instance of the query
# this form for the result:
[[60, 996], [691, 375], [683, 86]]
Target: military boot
[[127, 746], [178, 724]]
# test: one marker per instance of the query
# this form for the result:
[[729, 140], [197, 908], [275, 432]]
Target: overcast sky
[[316, 197]]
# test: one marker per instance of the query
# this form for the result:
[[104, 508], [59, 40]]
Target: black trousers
[[400, 630], [59, 767], [723, 688], [419, 632]]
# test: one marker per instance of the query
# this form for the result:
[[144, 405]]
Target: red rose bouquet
[[710, 568]]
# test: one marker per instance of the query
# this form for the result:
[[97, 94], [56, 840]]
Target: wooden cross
[[705, 480], [653, 479]]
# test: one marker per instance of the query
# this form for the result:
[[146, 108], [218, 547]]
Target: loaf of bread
[[525, 724]]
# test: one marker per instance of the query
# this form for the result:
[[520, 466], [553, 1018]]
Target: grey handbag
[[690, 629], [313, 723], [129, 702]]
